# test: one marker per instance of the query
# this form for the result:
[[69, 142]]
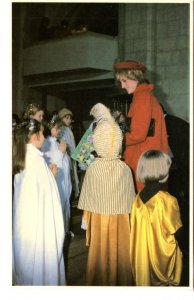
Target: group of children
[[131, 238], [42, 190]]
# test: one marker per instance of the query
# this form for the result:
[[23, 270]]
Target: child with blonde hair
[[156, 258], [34, 111]]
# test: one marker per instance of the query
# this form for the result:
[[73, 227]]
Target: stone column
[[137, 33]]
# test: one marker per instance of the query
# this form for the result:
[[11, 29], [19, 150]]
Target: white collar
[[32, 149]]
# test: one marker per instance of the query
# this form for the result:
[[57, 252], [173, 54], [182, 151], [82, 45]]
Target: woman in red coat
[[147, 125]]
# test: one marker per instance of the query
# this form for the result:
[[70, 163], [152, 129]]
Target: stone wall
[[158, 35]]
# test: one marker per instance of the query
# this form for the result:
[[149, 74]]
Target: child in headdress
[[38, 229], [55, 153], [106, 197], [34, 111]]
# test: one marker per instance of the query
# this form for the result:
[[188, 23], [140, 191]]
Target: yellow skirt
[[108, 238]]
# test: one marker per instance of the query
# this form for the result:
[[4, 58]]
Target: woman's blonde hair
[[136, 75], [153, 165]]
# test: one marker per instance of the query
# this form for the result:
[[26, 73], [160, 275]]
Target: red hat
[[130, 65]]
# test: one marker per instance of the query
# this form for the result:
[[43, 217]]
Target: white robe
[[38, 229], [52, 154]]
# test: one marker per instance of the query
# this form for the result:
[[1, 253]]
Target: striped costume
[[106, 198]]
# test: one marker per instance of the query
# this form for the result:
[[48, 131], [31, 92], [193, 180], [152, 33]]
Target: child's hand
[[53, 169], [62, 146]]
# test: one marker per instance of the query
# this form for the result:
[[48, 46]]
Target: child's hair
[[21, 137], [52, 122], [153, 165], [31, 110]]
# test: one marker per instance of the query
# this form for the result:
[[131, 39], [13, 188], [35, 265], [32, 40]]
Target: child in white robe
[[55, 152], [38, 229]]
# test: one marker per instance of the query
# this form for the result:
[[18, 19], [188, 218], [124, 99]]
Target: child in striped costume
[[106, 199]]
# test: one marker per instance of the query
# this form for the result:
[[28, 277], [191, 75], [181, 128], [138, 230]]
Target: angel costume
[[106, 198], [38, 229], [53, 154]]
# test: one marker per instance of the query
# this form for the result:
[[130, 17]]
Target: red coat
[[144, 106]]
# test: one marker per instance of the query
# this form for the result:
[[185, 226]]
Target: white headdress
[[107, 136]]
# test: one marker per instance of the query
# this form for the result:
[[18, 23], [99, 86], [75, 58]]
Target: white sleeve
[[57, 157], [46, 149]]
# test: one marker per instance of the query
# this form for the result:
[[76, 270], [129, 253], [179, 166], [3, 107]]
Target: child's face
[[38, 116], [55, 131], [40, 139], [67, 120]]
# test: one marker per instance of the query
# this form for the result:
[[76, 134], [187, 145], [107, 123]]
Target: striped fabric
[[107, 139], [107, 188]]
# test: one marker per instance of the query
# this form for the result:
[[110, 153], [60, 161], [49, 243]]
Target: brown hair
[[21, 137], [52, 122]]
